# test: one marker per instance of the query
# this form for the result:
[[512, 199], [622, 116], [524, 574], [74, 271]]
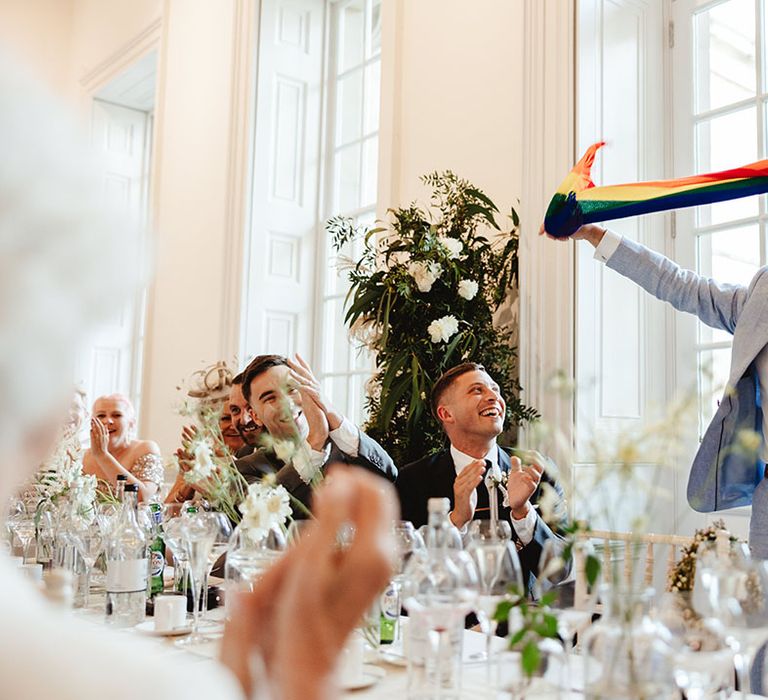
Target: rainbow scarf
[[577, 200]]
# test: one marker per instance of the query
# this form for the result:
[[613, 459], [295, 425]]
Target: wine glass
[[703, 662], [552, 578], [439, 589], [89, 541], [499, 575], [22, 525], [221, 542], [736, 600], [198, 535], [296, 530], [174, 540]]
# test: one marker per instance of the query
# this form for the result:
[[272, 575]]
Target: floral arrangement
[[422, 298], [681, 578], [267, 505], [60, 482]]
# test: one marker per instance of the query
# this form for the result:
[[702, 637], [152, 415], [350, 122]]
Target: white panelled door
[[112, 362], [281, 278]]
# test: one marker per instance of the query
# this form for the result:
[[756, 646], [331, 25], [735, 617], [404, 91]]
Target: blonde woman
[[115, 451]]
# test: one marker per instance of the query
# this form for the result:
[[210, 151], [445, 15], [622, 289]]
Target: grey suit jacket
[[722, 476], [370, 456]]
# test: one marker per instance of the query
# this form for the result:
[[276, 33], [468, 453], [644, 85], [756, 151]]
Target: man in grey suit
[[723, 474], [304, 433]]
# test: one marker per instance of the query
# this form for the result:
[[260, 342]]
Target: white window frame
[[330, 148]]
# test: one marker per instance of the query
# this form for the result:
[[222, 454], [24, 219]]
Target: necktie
[[483, 508]]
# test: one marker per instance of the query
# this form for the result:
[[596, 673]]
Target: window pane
[[336, 388], [724, 54], [357, 412], [713, 375], [723, 143], [351, 36], [731, 256], [347, 179], [374, 24], [370, 171], [372, 97], [349, 106], [336, 350]]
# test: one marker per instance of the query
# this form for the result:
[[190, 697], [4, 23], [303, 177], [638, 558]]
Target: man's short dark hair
[[238, 378], [257, 366], [447, 378]]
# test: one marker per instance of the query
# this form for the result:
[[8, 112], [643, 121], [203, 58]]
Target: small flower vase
[[548, 680], [626, 654]]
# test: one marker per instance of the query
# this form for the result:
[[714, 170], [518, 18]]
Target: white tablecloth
[[391, 685]]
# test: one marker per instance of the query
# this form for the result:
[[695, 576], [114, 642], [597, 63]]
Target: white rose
[[443, 328], [453, 245], [468, 289], [425, 274]]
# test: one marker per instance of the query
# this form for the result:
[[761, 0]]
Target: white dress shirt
[[346, 437], [603, 252], [524, 527]]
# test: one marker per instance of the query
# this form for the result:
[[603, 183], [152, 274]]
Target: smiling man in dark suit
[[469, 405]]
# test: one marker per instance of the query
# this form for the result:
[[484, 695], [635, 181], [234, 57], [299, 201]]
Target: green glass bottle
[[156, 553], [390, 613]]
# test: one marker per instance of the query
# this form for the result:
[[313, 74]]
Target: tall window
[[726, 113], [350, 176]]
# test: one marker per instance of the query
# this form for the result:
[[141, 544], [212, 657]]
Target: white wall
[[38, 33], [455, 102]]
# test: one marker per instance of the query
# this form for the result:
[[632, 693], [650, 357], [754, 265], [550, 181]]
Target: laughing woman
[[114, 450]]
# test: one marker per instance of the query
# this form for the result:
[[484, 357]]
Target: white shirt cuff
[[346, 437], [607, 247], [526, 526], [317, 458]]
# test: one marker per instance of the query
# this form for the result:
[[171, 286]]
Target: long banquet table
[[391, 684]]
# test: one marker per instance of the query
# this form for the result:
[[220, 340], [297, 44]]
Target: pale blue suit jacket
[[722, 476]]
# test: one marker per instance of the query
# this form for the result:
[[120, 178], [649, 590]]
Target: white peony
[[453, 245], [443, 328], [468, 289], [425, 274]]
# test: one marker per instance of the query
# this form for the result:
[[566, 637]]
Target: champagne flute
[[89, 541], [198, 534], [499, 575], [22, 525], [223, 528]]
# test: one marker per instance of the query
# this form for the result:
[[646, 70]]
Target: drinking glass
[[89, 541], [736, 601], [499, 575], [223, 528], [703, 662], [22, 525], [198, 534]]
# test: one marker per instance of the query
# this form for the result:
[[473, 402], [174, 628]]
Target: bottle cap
[[438, 505], [131, 487], [122, 477]]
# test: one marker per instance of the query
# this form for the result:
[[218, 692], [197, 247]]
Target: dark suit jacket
[[433, 477], [370, 456]]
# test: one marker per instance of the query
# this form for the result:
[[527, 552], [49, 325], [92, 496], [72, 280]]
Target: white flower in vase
[[468, 289], [425, 274], [453, 246], [441, 329], [265, 507]]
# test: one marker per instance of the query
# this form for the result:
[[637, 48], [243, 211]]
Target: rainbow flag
[[577, 200]]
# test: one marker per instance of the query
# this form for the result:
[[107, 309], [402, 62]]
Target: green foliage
[[389, 314], [536, 622]]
